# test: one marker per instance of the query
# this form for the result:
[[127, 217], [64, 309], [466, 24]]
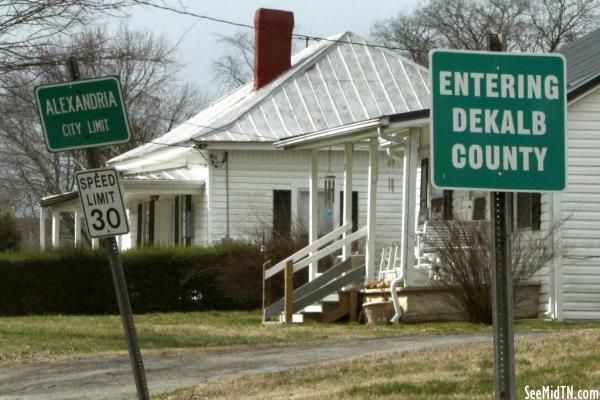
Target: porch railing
[[300, 254], [334, 279]]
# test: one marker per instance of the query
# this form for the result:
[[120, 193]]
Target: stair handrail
[[332, 274], [312, 247], [362, 232]]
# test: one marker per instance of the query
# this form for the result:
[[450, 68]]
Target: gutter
[[352, 132], [582, 89]]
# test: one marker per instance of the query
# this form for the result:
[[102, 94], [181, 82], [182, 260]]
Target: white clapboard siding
[[133, 224], [253, 175], [200, 207], [543, 275], [579, 281]]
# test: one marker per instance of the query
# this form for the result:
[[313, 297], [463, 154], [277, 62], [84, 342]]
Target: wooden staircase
[[322, 298], [328, 311], [325, 298]]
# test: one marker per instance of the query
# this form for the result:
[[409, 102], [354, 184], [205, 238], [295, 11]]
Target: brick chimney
[[273, 44]]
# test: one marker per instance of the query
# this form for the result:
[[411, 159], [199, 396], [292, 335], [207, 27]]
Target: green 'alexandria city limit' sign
[[498, 121], [82, 114]]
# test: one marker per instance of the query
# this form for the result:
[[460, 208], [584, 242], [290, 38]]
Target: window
[[441, 204], [423, 209], [183, 224], [325, 219], [441, 200], [479, 202], [282, 213], [447, 214], [145, 223], [354, 210], [528, 211], [140, 225]]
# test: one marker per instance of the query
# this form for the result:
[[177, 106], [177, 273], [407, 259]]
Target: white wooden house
[[218, 175], [357, 120]]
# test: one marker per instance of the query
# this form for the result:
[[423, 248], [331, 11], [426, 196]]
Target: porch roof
[[357, 131], [153, 183], [58, 198]]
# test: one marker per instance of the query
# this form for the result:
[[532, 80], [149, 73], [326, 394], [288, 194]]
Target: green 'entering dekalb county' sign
[[498, 121], [82, 114]]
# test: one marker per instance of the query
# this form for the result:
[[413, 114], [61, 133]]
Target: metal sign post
[[502, 285], [110, 243]]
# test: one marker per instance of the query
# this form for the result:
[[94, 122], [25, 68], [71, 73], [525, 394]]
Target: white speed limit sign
[[102, 202]]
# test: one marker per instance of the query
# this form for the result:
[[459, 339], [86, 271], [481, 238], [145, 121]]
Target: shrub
[[78, 281], [465, 264], [10, 236]]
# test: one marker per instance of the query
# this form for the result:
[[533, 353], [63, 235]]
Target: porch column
[[77, 228], [55, 229], [313, 213], [42, 228], [409, 204], [348, 153], [95, 243], [372, 208]]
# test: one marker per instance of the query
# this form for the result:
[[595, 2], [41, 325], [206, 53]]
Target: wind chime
[[391, 182], [329, 189]]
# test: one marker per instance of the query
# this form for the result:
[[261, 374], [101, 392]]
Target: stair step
[[331, 312], [315, 308], [331, 298], [296, 318]]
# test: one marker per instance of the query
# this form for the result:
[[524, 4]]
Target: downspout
[[407, 252], [400, 278], [395, 299]]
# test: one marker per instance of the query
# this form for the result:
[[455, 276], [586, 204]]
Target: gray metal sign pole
[[110, 243], [501, 280]]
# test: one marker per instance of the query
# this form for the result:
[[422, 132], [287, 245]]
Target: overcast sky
[[199, 47]]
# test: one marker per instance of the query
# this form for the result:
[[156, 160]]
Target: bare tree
[[155, 102], [235, 67], [527, 25], [26, 26]]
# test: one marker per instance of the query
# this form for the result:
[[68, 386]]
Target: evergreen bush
[[78, 281]]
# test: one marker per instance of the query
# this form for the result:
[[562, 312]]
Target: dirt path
[[111, 378]]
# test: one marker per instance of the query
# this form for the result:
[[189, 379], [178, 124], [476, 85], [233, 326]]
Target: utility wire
[[297, 36]]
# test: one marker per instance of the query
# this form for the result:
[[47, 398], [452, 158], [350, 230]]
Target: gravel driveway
[[111, 378]]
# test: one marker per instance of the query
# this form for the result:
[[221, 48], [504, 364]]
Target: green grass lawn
[[47, 338], [566, 357]]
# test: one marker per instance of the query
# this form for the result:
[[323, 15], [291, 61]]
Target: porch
[[409, 260], [399, 137], [152, 200]]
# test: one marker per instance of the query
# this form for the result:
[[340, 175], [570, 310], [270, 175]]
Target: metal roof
[[168, 178], [58, 198], [332, 83], [171, 174], [583, 61]]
